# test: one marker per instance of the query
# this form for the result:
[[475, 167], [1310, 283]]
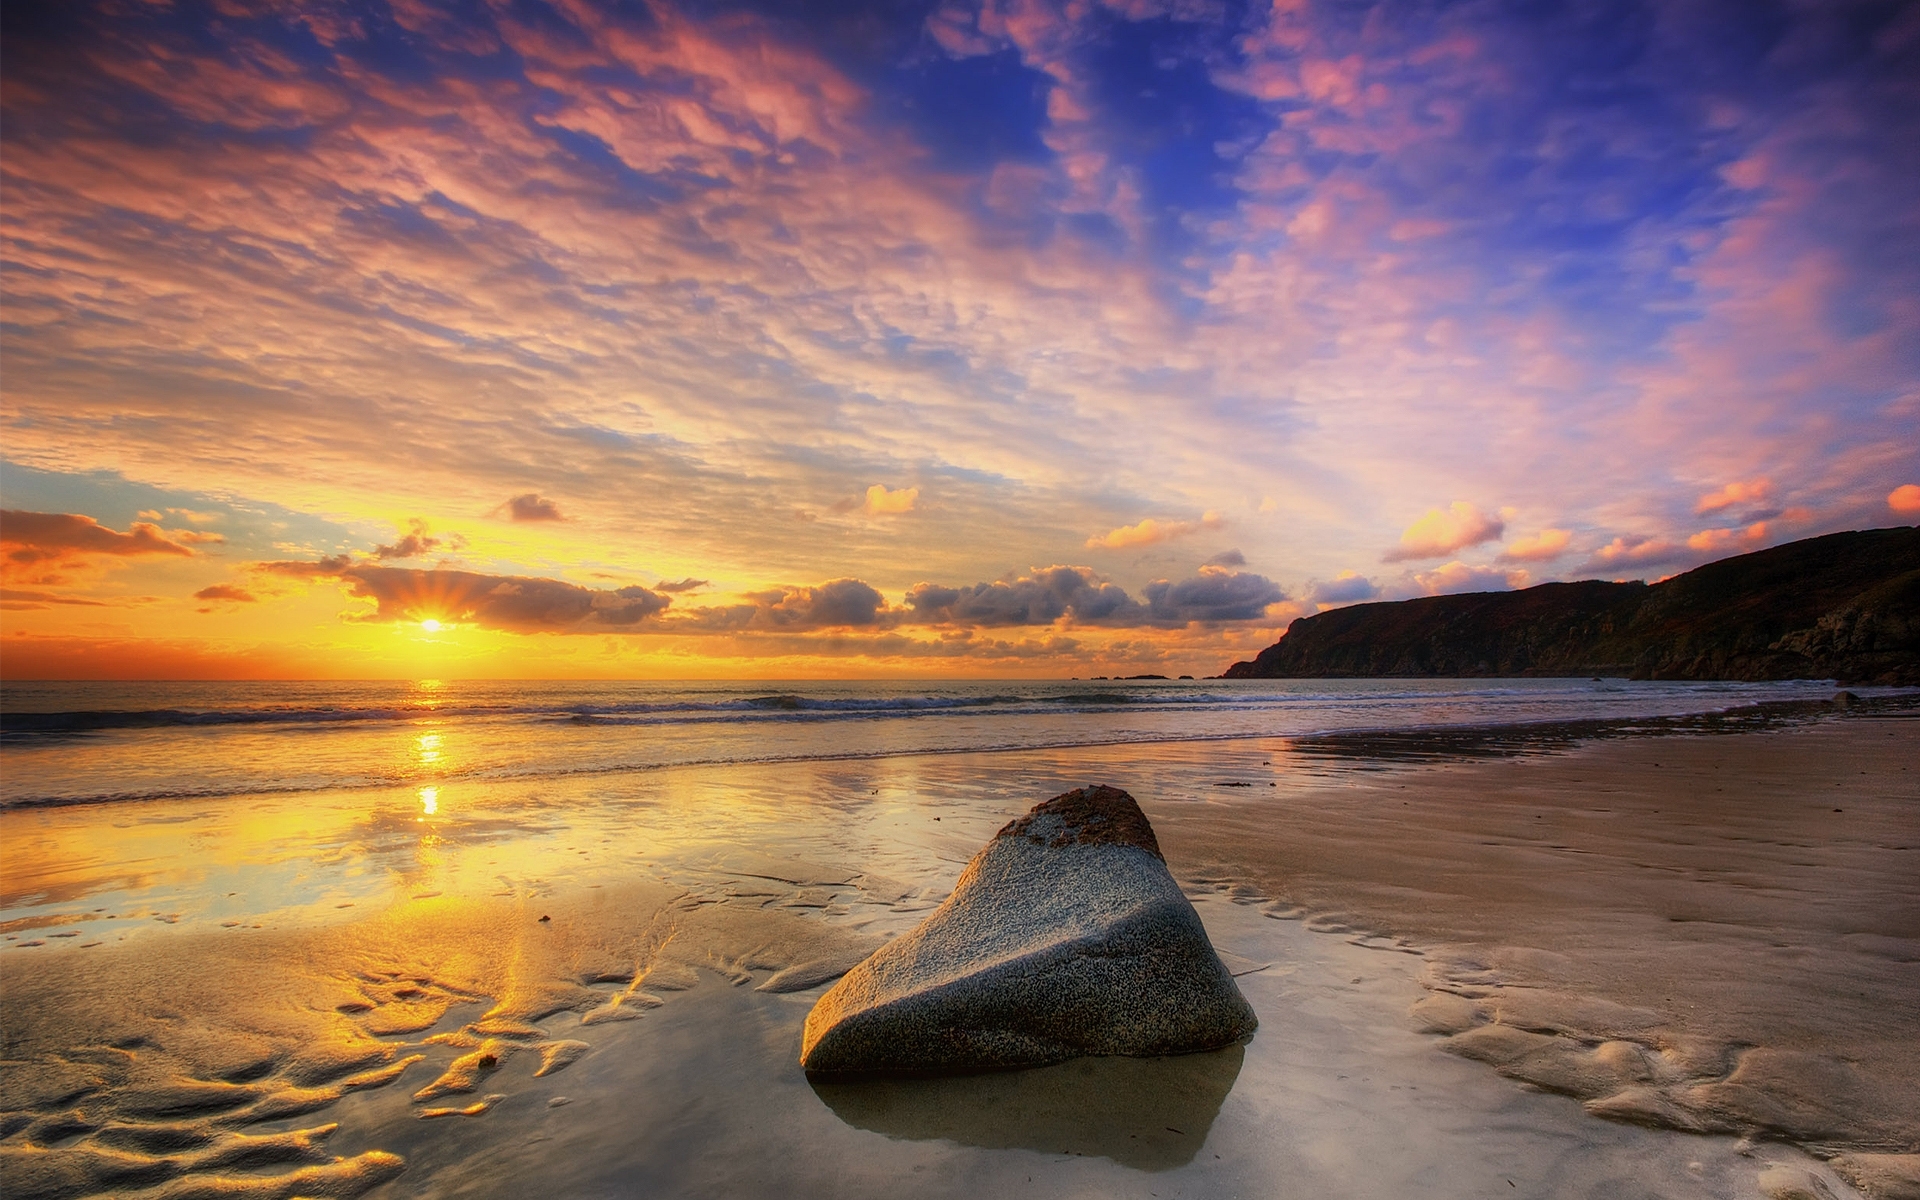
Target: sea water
[[88, 743]]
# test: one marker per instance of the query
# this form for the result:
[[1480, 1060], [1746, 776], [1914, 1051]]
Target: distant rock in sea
[[1065, 936], [1845, 606]]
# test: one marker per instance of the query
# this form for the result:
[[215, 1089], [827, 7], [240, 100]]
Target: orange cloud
[[882, 502], [1905, 499], [226, 591], [1751, 491], [1445, 530], [18, 598], [1150, 531], [1548, 543], [34, 537], [1720, 541], [513, 603], [1623, 551]]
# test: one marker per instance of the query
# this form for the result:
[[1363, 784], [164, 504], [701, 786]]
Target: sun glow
[[430, 625]]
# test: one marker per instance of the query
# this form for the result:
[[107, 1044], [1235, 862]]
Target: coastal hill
[[1845, 606]]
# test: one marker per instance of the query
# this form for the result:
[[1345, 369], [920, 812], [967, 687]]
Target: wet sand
[[1737, 918], [598, 990]]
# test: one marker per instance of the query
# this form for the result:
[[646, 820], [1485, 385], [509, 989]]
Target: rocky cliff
[[1845, 606]]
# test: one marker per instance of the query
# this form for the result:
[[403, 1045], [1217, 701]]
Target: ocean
[[105, 743]]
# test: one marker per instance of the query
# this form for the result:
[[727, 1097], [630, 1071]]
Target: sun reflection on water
[[429, 801]]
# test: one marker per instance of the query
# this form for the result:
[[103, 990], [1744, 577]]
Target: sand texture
[[1702, 933], [600, 990], [1065, 936]]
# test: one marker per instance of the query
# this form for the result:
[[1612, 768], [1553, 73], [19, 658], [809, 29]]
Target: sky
[[552, 338]]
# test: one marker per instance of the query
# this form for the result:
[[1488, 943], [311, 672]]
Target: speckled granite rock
[[1064, 936]]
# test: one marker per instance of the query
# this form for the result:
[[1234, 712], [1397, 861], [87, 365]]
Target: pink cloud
[[1459, 577], [1752, 491], [1633, 552]]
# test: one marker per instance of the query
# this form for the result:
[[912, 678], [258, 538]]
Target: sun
[[430, 625]]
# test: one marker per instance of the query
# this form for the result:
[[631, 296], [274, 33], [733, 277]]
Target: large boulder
[[1065, 936]]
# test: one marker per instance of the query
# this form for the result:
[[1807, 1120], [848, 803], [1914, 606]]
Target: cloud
[[513, 603], [1634, 552], [881, 502], [1905, 499], [1081, 596], [1227, 558], [1542, 546], [1344, 588], [1459, 577], [226, 591], [707, 265], [1724, 541], [1444, 530], [1752, 491], [36, 537], [323, 568], [840, 603], [190, 515], [677, 586], [18, 598], [1151, 531], [415, 544], [1043, 596], [1215, 594], [531, 506]]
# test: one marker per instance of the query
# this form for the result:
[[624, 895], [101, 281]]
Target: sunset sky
[[636, 339]]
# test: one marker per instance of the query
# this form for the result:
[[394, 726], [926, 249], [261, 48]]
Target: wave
[[1381, 742], [71, 723]]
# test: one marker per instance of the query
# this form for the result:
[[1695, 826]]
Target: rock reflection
[[1151, 1114]]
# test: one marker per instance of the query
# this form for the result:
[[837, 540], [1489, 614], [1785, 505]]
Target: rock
[[1065, 936]]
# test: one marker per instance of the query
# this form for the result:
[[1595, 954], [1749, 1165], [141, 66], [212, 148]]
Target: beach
[[1652, 960]]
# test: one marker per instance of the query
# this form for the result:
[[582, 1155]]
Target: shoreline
[[1373, 742], [752, 851]]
